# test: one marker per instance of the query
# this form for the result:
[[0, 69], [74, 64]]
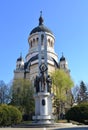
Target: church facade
[[29, 68]]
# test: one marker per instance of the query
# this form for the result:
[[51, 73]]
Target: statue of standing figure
[[36, 84], [49, 83], [43, 81], [43, 68]]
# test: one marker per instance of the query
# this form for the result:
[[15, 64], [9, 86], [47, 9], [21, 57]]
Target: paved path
[[23, 129], [76, 128], [73, 128]]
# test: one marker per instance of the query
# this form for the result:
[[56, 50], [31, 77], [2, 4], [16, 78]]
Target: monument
[[41, 60], [43, 84]]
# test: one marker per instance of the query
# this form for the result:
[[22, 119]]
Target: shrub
[[15, 115], [78, 113], [4, 115], [9, 115]]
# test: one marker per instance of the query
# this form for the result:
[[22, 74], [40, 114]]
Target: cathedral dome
[[41, 27]]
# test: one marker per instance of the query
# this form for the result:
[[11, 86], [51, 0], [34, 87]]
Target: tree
[[83, 94], [75, 91], [4, 93], [62, 83], [22, 96]]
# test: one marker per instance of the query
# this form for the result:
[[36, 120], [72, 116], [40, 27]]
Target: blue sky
[[68, 20]]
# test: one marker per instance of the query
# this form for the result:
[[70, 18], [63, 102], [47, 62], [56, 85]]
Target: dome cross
[[41, 19]]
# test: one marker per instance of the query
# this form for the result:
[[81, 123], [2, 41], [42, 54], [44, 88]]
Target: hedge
[[9, 115], [78, 113]]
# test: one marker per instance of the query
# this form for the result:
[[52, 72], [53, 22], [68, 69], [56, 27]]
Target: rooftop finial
[[40, 19], [62, 58], [41, 13], [21, 54], [62, 54]]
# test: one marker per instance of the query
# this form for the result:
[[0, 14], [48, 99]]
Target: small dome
[[20, 58], [62, 58], [20, 63], [41, 27]]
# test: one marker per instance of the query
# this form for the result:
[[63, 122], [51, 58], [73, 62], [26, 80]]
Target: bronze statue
[[49, 83], [43, 80], [36, 84]]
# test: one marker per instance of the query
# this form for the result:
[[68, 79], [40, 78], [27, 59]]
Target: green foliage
[[22, 96], [78, 113], [9, 115], [62, 82], [15, 114]]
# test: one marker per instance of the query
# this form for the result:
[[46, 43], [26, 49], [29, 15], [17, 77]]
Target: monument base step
[[40, 125]]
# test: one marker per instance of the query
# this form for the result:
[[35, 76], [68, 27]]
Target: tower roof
[[62, 58], [41, 27], [20, 58]]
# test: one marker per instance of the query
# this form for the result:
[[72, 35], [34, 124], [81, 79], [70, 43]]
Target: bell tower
[[63, 64]]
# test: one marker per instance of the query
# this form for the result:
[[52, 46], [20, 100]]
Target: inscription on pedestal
[[43, 102]]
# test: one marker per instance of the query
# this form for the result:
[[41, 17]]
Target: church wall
[[18, 75]]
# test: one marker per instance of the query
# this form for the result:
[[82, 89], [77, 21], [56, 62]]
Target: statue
[[43, 68], [49, 83], [43, 81], [36, 84]]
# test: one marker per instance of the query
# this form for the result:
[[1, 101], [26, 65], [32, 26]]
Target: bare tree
[[75, 91], [4, 93]]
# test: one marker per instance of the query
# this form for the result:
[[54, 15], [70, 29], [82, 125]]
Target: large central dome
[[41, 27]]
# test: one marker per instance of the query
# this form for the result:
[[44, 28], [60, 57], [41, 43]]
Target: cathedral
[[29, 68]]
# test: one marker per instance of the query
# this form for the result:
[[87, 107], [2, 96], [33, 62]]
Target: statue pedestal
[[43, 108]]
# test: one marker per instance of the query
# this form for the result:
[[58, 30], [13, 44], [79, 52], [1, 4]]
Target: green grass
[[26, 122]]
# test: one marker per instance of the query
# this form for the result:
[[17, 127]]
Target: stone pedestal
[[43, 108]]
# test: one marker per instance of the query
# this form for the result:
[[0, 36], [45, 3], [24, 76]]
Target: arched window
[[37, 39], [33, 41], [31, 44], [42, 39], [49, 42]]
